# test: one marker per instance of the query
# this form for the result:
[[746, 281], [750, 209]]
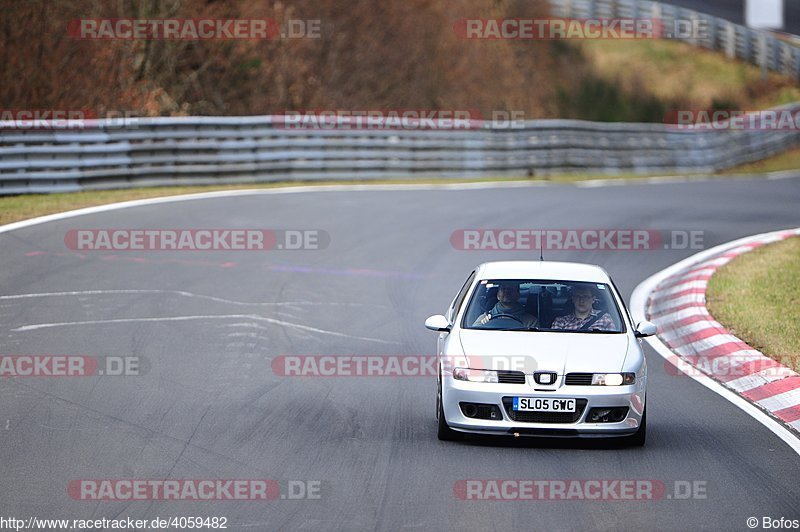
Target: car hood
[[544, 351]]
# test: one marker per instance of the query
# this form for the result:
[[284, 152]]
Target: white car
[[534, 348]]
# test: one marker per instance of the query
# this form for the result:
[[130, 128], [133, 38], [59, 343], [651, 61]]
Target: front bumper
[[455, 392]]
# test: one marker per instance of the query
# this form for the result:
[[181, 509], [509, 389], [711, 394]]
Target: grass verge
[[679, 75], [788, 160], [757, 297]]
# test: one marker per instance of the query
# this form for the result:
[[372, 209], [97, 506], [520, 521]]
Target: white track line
[[183, 293], [366, 188], [264, 192], [254, 317]]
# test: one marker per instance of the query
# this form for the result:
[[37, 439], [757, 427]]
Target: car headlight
[[475, 375], [613, 379]]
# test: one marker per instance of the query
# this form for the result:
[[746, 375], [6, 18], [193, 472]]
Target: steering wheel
[[505, 316]]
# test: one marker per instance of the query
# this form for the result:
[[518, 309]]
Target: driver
[[508, 304], [584, 317]]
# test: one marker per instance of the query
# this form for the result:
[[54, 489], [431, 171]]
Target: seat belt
[[585, 326]]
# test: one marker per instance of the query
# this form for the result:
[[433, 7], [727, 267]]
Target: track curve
[[208, 325]]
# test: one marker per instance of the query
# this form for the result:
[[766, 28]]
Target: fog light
[[607, 415], [599, 415], [480, 410], [618, 414]]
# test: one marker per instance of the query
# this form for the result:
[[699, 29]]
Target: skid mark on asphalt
[[282, 323], [251, 335], [184, 293], [249, 325], [358, 272], [149, 434], [287, 315]]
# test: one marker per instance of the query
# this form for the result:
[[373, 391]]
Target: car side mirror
[[645, 329], [438, 323]]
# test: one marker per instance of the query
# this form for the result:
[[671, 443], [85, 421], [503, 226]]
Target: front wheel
[[638, 438]]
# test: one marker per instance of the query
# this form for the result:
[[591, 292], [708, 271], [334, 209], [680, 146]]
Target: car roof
[[535, 269]]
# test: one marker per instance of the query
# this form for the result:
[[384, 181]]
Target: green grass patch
[[788, 160], [642, 80], [757, 297]]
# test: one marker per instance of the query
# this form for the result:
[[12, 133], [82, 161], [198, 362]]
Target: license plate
[[543, 404]]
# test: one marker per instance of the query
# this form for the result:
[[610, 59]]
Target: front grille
[[510, 377], [545, 417], [578, 379]]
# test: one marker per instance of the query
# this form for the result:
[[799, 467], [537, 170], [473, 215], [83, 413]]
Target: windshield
[[536, 305]]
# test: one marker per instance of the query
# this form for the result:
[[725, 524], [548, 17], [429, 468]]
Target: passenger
[[584, 317], [508, 304]]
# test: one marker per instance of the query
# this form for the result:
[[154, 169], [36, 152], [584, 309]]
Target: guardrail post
[[762, 54], [796, 56], [782, 59], [712, 26], [655, 15], [694, 39], [774, 50], [747, 49], [636, 9], [730, 42]]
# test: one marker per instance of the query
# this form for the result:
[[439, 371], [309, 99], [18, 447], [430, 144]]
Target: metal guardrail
[[224, 150], [217, 150], [754, 46]]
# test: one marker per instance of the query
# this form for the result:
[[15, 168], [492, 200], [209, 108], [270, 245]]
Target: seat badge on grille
[[544, 377]]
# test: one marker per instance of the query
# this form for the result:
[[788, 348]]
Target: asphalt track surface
[[733, 10], [209, 406]]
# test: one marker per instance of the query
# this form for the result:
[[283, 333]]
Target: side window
[[624, 308], [453, 310]]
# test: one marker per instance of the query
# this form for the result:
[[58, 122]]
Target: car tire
[[638, 438], [445, 433]]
